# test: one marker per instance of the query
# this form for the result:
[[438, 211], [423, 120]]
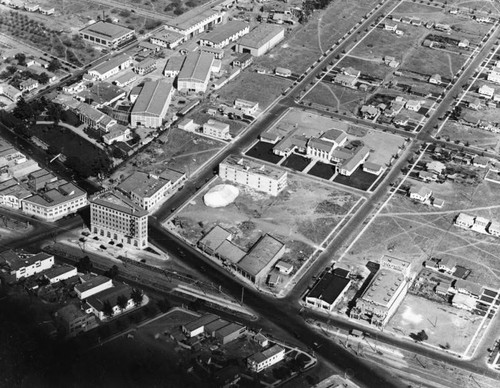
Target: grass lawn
[[475, 137], [374, 68], [359, 179], [380, 43], [252, 86], [301, 216], [382, 144], [345, 100], [264, 151], [71, 145], [443, 324], [424, 60]]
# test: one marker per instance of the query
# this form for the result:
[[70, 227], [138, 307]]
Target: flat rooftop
[[329, 287], [105, 30], [17, 261], [57, 196], [117, 201], [201, 322], [261, 254], [252, 166], [383, 286], [215, 237], [93, 282], [142, 184], [110, 64]]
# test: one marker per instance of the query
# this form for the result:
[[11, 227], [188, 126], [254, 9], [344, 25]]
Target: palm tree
[[121, 302], [137, 296], [107, 309]]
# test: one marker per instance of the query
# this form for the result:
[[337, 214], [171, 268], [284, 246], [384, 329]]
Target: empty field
[[301, 216], [446, 326], [374, 67], [252, 86], [308, 42], [416, 232], [474, 137], [429, 61], [339, 98]]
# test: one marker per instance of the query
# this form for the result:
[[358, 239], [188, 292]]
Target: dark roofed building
[[329, 290]]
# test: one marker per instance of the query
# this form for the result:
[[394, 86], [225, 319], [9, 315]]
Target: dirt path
[[450, 65], [468, 210], [319, 32], [333, 94], [193, 153]]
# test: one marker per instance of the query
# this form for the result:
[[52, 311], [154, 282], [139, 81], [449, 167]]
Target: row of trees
[[121, 301]]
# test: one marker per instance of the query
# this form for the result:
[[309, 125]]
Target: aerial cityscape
[[250, 193]]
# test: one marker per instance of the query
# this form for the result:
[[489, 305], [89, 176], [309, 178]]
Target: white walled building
[[55, 203], [195, 22], [108, 68], [91, 285], [195, 72], [106, 34], [217, 129], [261, 39], [263, 360], [258, 176], [22, 265], [116, 217], [152, 104]]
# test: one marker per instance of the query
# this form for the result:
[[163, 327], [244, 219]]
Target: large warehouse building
[[106, 34], [261, 39], [225, 34], [195, 72], [195, 22], [152, 104]]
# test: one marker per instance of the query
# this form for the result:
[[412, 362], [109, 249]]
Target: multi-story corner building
[[55, 203], [114, 216], [385, 292], [255, 175], [18, 265]]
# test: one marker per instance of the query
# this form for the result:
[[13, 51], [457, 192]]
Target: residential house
[[284, 267], [420, 193], [263, 360], [413, 105], [390, 26], [96, 304], [464, 220], [486, 91], [464, 43], [28, 85], [435, 79], [480, 225], [74, 321], [436, 167], [475, 104]]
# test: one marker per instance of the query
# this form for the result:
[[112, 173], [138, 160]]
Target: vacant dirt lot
[[324, 28], [445, 325], [254, 87], [416, 232], [474, 137], [301, 216], [183, 151]]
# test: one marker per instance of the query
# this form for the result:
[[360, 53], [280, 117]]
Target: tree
[[21, 59], [107, 309], [164, 305], [137, 296], [43, 78], [54, 65], [84, 265], [23, 110], [122, 302], [112, 272], [54, 112]]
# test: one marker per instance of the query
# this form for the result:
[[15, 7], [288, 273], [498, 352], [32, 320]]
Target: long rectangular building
[[152, 104], [261, 39], [106, 34], [116, 217], [108, 68], [195, 22], [225, 34], [195, 72], [55, 203], [256, 175]]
